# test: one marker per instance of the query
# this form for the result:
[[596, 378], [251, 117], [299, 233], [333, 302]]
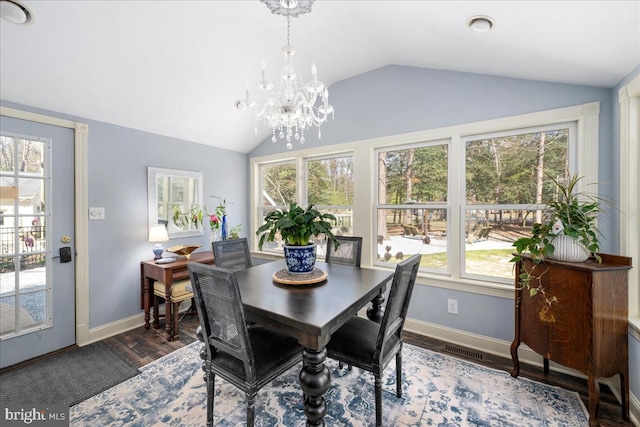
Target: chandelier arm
[[318, 120]]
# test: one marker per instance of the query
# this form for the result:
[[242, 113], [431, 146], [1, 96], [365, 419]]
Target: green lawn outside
[[493, 262]]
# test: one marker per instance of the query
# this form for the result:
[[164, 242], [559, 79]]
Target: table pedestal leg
[[315, 380], [376, 311]]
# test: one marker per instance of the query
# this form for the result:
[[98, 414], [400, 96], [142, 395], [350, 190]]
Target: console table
[[586, 329], [150, 271]]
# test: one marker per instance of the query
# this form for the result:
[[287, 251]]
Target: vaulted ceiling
[[176, 68]]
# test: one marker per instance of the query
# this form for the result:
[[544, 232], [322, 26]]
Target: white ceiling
[[176, 68]]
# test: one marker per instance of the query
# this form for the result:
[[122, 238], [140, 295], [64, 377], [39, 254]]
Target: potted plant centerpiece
[[296, 226], [570, 234]]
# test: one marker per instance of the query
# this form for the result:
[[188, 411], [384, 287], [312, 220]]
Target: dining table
[[311, 313]]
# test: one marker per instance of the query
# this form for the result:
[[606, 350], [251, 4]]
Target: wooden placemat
[[283, 276]]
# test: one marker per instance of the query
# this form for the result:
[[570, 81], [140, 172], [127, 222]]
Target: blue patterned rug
[[438, 391]]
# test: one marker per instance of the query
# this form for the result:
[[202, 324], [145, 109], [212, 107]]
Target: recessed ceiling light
[[15, 12], [480, 23]]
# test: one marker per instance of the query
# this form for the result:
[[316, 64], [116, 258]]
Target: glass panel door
[[24, 294]]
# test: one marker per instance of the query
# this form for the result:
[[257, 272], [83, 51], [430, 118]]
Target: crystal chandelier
[[288, 105]]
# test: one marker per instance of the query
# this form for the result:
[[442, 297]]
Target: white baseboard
[[115, 328], [634, 409], [124, 325], [503, 349]]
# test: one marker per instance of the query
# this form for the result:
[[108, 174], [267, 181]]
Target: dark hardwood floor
[[141, 346]]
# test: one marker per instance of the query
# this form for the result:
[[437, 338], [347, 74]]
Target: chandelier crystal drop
[[288, 105]]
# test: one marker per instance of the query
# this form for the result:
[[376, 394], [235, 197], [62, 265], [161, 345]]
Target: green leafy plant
[[189, 219], [296, 225], [574, 214], [234, 232], [197, 216]]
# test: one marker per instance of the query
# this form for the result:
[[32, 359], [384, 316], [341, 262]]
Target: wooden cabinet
[[586, 329]]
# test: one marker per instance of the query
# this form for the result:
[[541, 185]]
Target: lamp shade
[[158, 233]]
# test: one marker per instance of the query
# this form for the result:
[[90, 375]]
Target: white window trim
[[629, 100], [365, 171]]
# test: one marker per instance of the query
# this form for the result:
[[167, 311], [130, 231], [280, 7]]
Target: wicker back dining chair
[[349, 251], [371, 346], [232, 254], [248, 357]]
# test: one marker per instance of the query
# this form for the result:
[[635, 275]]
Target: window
[[277, 191], [506, 180], [25, 293], [412, 209], [329, 186], [459, 195], [327, 182]]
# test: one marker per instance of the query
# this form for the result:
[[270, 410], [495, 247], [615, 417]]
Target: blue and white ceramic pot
[[300, 259]]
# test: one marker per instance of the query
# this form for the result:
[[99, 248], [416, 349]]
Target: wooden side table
[[586, 329], [150, 271]]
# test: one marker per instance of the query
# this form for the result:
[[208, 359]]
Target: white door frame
[[80, 144]]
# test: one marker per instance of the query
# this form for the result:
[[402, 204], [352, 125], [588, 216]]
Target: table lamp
[[158, 233]]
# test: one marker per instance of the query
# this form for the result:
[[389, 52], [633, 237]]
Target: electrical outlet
[[452, 306]]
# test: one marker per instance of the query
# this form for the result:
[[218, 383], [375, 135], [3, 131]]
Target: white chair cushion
[[178, 291]]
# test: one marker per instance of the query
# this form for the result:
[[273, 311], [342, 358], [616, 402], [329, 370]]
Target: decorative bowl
[[185, 250]]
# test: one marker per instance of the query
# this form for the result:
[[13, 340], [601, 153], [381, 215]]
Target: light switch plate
[[96, 213]]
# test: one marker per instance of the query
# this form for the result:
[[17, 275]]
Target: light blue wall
[[118, 158]]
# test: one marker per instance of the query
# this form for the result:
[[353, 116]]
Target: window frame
[[571, 160], [586, 117], [446, 206]]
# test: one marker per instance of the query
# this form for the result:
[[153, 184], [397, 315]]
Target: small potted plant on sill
[[569, 235], [296, 226]]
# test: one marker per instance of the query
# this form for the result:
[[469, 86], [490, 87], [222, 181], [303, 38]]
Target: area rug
[[66, 378], [438, 390]]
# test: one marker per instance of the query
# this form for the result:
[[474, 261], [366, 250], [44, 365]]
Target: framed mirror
[[169, 189]]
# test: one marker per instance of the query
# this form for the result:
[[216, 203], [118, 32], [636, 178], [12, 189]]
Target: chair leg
[[211, 379], [399, 373], [251, 409], [378, 393], [341, 365]]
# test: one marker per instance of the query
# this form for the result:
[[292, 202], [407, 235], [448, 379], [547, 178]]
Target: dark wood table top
[[311, 313]]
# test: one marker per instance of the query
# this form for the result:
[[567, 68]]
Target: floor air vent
[[450, 348]]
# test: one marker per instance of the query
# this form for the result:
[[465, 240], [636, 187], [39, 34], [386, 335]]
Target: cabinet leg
[[594, 400], [514, 357], [624, 391]]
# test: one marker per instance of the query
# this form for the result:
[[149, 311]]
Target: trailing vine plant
[[574, 214]]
